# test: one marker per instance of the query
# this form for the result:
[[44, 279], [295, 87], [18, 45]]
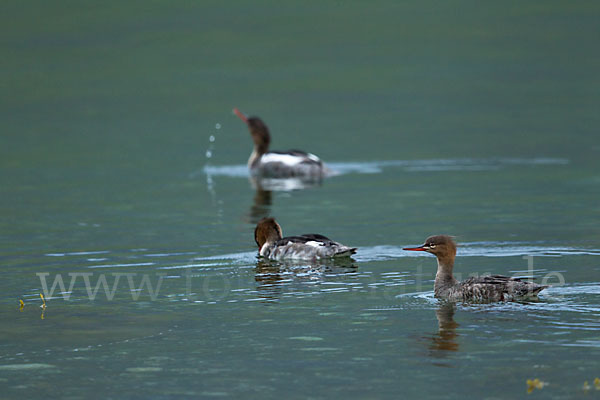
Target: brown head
[[442, 246], [267, 230], [258, 131]]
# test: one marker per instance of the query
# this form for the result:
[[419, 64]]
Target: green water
[[477, 120]]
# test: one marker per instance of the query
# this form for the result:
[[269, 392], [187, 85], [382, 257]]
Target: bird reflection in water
[[445, 340], [264, 187], [261, 206], [274, 278]]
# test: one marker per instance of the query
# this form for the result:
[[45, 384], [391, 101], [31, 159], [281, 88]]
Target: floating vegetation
[[533, 384], [587, 386], [43, 306]]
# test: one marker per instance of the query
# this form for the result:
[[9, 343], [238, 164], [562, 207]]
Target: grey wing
[[499, 288]]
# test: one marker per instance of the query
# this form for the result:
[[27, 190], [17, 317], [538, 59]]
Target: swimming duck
[[485, 288], [271, 244], [277, 164]]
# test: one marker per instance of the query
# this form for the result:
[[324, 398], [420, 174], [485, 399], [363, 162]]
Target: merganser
[[278, 164], [485, 288], [271, 244]]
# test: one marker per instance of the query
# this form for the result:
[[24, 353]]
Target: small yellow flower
[[586, 386], [43, 300], [597, 383], [22, 305], [533, 384]]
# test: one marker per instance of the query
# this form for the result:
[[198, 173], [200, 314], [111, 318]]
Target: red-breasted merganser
[[271, 244], [277, 164], [485, 288]]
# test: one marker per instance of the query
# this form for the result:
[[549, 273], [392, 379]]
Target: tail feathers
[[345, 252], [538, 289], [531, 292]]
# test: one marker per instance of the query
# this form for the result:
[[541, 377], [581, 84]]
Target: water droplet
[[208, 154], [211, 138], [218, 126]]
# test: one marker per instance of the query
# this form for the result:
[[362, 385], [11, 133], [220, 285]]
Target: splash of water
[[210, 183]]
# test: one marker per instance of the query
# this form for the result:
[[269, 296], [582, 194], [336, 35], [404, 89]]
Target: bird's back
[[492, 288], [292, 163], [309, 246]]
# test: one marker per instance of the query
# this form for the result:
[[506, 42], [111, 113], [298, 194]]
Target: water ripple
[[374, 167]]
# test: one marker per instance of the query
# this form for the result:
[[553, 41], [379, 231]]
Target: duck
[[492, 288], [268, 235], [278, 164]]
